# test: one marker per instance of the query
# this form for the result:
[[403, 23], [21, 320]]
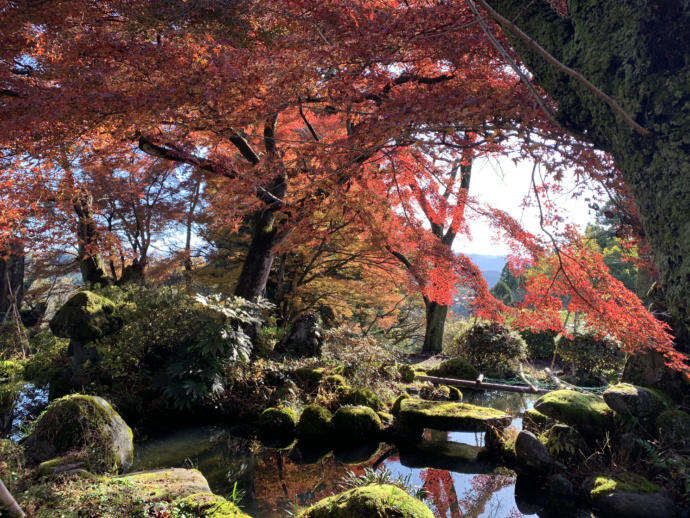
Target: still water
[[280, 482]]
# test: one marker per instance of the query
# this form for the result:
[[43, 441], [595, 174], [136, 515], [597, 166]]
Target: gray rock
[[304, 340], [636, 505], [650, 370], [531, 453], [636, 401]]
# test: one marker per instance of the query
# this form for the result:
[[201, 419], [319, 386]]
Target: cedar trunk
[[11, 279], [637, 52], [435, 324]]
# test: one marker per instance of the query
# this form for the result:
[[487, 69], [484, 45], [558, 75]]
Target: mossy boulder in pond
[[86, 316], [637, 401], [531, 453], [279, 423], [82, 423], [362, 397], [586, 412], [450, 416], [357, 424], [457, 368], [315, 424], [371, 501], [207, 505], [629, 495], [673, 430]]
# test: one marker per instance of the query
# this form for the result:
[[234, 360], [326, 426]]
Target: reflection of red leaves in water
[[441, 494]]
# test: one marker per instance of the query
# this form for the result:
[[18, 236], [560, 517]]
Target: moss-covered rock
[[637, 401], [335, 380], [450, 416], [357, 424], [362, 397], [395, 409], [457, 368], [279, 423], [565, 444], [629, 495], [207, 505], [673, 430], [67, 463], [372, 501], [455, 394], [589, 414], [407, 373], [86, 316], [310, 375], [534, 421], [85, 424], [434, 392], [315, 424]]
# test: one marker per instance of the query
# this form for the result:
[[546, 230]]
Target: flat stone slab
[[450, 416]]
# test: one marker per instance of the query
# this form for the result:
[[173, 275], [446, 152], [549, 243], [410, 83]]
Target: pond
[[280, 482]]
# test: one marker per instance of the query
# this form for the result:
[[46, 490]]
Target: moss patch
[[208, 505], [589, 414], [375, 501], [623, 483], [534, 421], [356, 424], [457, 368], [395, 410], [335, 380], [278, 423], [362, 397], [310, 376], [417, 413], [315, 423], [10, 369], [407, 373]]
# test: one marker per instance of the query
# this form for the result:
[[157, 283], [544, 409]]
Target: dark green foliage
[[363, 397], [179, 343], [492, 348], [502, 292], [278, 423], [541, 344], [49, 361], [590, 354]]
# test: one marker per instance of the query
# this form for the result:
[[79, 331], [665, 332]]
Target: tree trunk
[[435, 324], [637, 53], [259, 261], [11, 278], [90, 261]]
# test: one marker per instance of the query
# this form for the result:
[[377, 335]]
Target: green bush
[[541, 344], [590, 354], [49, 360], [492, 348]]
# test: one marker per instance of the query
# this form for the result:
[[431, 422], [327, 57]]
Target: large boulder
[[304, 340], [531, 453], [357, 424], [629, 495], [372, 501], [87, 424], [650, 370], [450, 416], [637, 401], [85, 317], [457, 368], [586, 412]]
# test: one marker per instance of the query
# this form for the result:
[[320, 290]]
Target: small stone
[[531, 453]]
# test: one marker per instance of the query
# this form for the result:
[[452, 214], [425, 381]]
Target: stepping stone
[[450, 416]]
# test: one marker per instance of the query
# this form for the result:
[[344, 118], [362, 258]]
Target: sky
[[504, 184]]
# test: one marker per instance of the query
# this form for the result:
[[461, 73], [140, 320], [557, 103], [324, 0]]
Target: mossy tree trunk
[[90, 261], [11, 278], [637, 52], [435, 326]]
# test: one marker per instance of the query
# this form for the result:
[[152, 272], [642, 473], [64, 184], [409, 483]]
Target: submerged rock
[[531, 453], [636, 401], [372, 501], [629, 495], [75, 423], [586, 412], [450, 416]]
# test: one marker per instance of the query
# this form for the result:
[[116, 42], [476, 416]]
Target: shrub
[[541, 344], [49, 361], [590, 354], [492, 348]]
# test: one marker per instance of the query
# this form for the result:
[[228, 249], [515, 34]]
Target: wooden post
[[9, 501]]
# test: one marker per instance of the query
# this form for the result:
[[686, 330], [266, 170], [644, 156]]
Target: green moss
[[407, 373], [335, 380], [457, 368], [455, 394], [386, 418], [86, 316], [623, 483], [374, 501], [589, 414], [362, 397], [278, 423], [417, 413], [356, 423], [395, 410], [315, 423], [534, 421], [311, 376], [46, 468], [208, 505], [11, 369]]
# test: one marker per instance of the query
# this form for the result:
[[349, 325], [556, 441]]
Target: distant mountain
[[491, 277], [490, 265]]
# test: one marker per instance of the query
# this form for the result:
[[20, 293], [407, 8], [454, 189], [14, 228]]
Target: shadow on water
[[457, 480]]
